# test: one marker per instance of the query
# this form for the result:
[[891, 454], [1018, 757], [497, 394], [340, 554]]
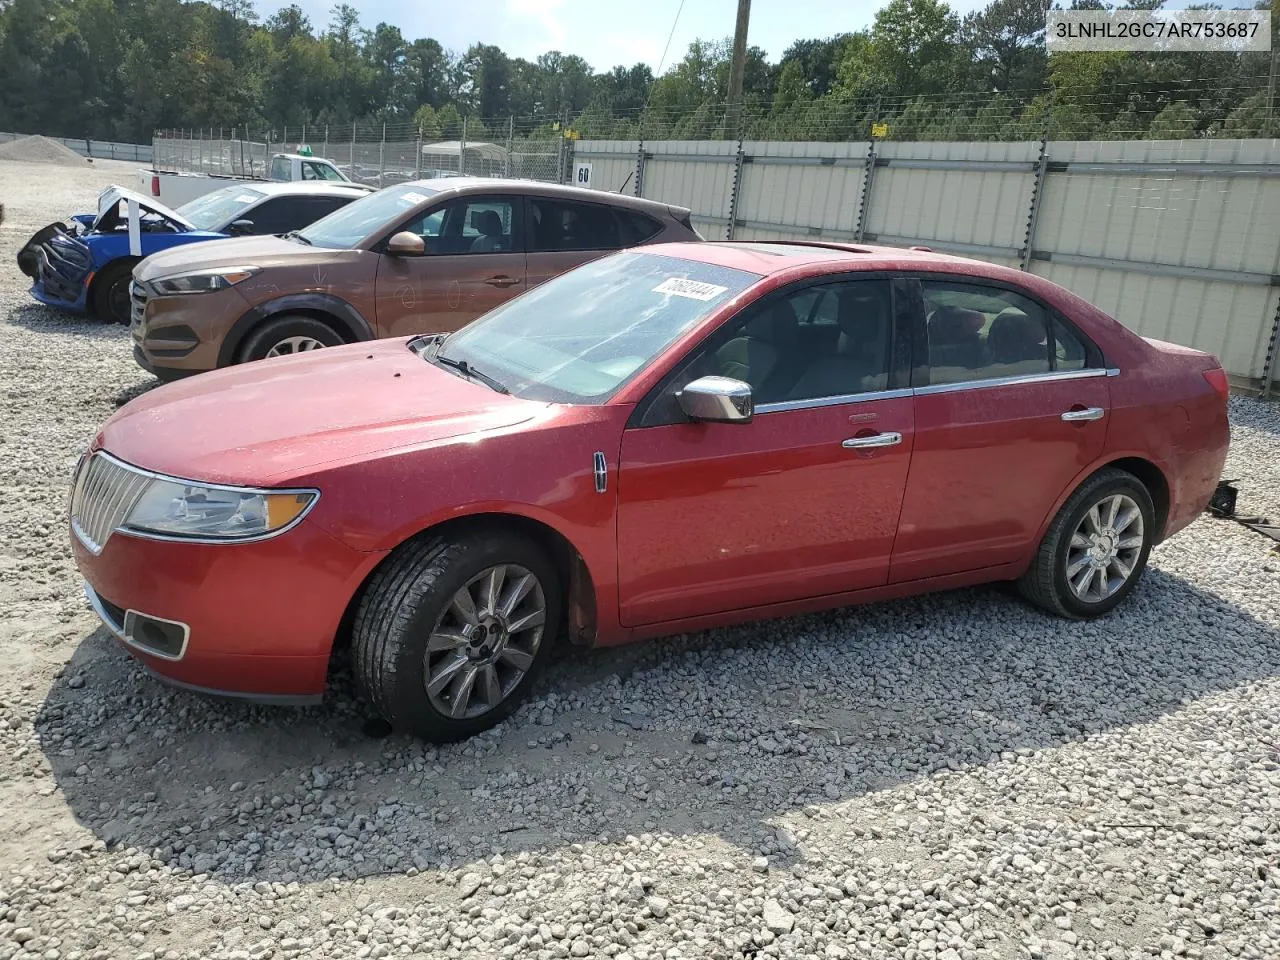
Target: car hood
[[233, 252], [115, 193], [265, 423]]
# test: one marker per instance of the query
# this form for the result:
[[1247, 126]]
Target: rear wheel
[[1095, 550], [451, 631], [284, 336], [109, 298]]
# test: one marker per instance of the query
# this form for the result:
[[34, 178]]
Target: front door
[[1012, 405], [803, 500], [474, 261]]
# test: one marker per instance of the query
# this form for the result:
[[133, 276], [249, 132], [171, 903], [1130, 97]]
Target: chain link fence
[[375, 154]]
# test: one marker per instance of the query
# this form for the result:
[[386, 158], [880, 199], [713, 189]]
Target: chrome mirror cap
[[717, 400]]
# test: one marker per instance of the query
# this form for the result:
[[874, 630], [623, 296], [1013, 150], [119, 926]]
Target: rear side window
[[977, 332], [636, 228], [567, 225]]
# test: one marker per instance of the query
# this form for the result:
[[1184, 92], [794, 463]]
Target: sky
[[606, 32], [610, 32]]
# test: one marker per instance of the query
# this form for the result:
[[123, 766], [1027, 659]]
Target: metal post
[[511, 137], [462, 149], [864, 204], [417, 163], [326, 141], [353, 149], [1269, 364], [304, 134], [382, 158], [1033, 214], [639, 187], [735, 190], [200, 147]]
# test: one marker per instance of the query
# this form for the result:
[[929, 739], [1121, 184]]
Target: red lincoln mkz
[[660, 441]]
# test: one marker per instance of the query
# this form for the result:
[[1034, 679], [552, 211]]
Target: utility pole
[[737, 68]]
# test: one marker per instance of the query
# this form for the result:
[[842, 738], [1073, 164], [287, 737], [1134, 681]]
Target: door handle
[[1088, 413], [875, 440], [502, 281]]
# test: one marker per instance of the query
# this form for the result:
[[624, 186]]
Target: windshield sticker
[[693, 289], [415, 198], [245, 198]]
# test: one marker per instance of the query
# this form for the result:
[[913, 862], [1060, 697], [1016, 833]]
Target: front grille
[[137, 308], [104, 493]]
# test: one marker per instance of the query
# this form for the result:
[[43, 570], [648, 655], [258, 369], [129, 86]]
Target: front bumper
[[178, 336], [253, 620], [60, 265]]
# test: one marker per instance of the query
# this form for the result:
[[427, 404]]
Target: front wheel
[[284, 336], [1095, 550], [109, 298], [451, 631]]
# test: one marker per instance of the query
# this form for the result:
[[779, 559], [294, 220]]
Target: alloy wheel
[[1104, 548], [485, 641], [291, 345]]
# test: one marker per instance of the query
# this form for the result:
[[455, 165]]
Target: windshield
[[346, 227], [215, 210], [582, 336]]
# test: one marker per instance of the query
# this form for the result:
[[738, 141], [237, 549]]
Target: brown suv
[[422, 257]]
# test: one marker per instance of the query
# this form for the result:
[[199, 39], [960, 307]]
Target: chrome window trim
[[1049, 376], [96, 549], [784, 406]]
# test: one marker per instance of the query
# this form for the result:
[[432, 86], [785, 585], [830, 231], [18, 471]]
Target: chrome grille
[[104, 492]]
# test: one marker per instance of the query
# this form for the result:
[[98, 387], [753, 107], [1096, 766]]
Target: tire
[[109, 298], [277, 335], [1055, 576], [411, 599]]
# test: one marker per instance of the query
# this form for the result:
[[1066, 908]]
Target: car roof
[[543, 189], [767, 257], [331, 188]]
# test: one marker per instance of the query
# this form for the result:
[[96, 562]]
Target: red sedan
[[660, 441]]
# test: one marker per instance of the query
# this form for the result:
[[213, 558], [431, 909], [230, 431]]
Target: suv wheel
[[283, 336]]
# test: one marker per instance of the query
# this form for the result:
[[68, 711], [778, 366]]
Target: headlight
[[203, 281], [173, 508]]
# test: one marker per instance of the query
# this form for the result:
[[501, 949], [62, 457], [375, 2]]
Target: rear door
[[1010, 406], [474, 261], [565, 233]]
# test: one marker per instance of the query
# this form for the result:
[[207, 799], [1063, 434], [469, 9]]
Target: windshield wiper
[[295, 235], [467, 370]]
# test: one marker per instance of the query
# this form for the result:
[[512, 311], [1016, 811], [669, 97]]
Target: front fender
[[354, 326]]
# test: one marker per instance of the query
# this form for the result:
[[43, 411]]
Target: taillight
[[155, 186], [1217, 378]]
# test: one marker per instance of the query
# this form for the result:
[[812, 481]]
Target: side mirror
[[406, 244], [717, 400], [242, 226]]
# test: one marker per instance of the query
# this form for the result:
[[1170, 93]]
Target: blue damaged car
[[84, 264]]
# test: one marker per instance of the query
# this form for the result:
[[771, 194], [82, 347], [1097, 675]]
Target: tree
[[1006, 41], [913, 45]]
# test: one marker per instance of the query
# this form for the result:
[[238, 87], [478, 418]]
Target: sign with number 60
[[582, 175]]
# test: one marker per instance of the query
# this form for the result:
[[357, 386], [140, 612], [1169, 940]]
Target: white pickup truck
[[174, 189]]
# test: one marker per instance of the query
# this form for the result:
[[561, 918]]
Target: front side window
[[319, 171], [977, 332], [828, 340], [362, 219], [469, 225], [582, 336], [567, 225]]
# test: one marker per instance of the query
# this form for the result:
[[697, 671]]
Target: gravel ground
[[950, 777]]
